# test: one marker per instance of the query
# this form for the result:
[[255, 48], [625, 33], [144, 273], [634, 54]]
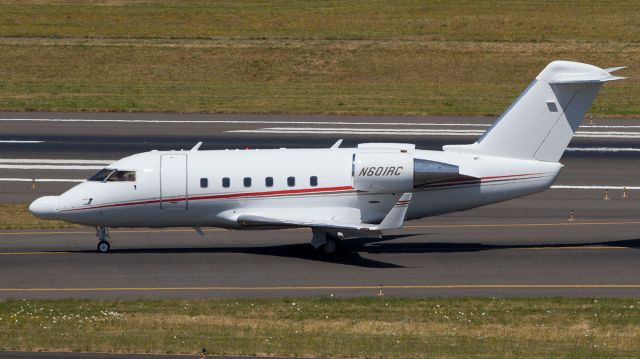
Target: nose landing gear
[[103, 239]]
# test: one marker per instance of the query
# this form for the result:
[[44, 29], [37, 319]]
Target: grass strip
[[17, 216], [329, 327], [310, 77], [489, 20], [341, 57]]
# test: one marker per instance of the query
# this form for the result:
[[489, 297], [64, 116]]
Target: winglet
[[395, 217]]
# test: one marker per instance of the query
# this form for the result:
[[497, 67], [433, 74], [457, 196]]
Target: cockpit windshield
[[110, 175], [101, 175]]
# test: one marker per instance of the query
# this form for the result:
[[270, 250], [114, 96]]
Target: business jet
[[339, 192]]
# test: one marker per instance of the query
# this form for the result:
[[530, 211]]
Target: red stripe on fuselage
[[222, 196], [285, 192]]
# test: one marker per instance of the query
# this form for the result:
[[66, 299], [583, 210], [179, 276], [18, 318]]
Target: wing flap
[[394, 219]]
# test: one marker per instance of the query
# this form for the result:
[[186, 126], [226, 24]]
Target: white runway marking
[[249, 122], [413, 132], [19, 141], [41, 180], [363, 131], [604, 134], [610, 126], [55, 161], [49, 167], [603, 149], [454, 124], [594, 187]]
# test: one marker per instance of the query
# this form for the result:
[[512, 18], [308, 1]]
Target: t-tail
[[540, 123]]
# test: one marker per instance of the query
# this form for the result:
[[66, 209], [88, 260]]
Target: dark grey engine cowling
[[427, 172]]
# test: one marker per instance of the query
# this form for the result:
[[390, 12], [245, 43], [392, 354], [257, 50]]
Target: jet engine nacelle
[[384, 171], [398, 171]]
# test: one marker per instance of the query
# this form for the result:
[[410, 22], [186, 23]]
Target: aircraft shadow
[[441, 247], [351, 249]]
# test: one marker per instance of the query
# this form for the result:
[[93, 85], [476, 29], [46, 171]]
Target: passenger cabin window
[[247, 181], [226, 182], [107, 175], [313, 181], [268, 181], [291, 181], [204, 182]]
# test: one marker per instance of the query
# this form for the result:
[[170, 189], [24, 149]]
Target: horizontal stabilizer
[[614, 69]]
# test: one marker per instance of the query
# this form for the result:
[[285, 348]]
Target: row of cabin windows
[[268, 182]]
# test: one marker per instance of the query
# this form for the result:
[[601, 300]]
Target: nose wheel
[[103, 246], [103, 239]]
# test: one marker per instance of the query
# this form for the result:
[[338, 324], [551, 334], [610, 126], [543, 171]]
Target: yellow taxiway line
[[534, 248], [30, 253], [52, 232], [479, 225], [517, 225], [345, 287], [564, 248]]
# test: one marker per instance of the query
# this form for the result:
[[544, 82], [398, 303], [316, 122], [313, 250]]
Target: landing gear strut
[[103, 239]]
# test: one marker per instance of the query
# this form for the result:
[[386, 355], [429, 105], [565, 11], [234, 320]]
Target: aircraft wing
[[393, 219]]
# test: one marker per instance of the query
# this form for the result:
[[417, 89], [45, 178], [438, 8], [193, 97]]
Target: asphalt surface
[[520, 247]]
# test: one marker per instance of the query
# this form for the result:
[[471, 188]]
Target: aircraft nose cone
[[45, 207]]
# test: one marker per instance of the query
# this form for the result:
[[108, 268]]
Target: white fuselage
[[206, 188]]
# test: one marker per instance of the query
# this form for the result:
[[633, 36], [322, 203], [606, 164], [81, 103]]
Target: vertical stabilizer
[[540, 123]]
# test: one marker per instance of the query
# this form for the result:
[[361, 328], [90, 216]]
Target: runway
[[53, 148], [521, 247]]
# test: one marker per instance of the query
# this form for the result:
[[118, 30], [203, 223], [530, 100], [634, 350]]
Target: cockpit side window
[[102, 175], [122, 176], [108, 175]]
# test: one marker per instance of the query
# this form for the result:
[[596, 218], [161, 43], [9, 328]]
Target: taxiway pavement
[[521, 247]]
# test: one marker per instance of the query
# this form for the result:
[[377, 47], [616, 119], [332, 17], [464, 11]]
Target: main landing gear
[[103, 239], [331, 246], [324, 242]]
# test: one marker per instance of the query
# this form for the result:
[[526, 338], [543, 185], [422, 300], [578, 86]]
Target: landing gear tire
[[103, 246], [102, 233], [330, 246]]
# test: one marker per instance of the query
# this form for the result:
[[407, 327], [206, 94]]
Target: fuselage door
[[173, 182]]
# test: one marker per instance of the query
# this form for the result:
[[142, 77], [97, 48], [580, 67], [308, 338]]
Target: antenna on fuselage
[[197, 146], [337, 144]]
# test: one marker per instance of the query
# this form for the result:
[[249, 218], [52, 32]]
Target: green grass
[[17, 216], [350, 57], [354, 328]]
